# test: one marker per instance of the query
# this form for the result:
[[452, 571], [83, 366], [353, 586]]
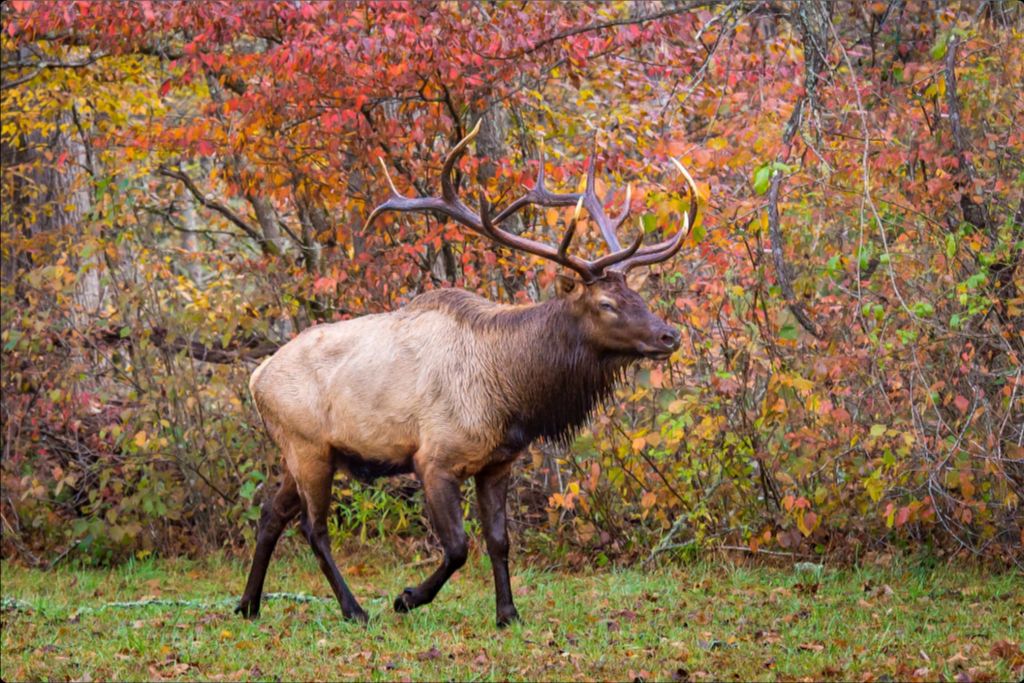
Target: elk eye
[[607, 306]]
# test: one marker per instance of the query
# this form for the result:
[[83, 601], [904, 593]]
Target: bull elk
[[453, 386]]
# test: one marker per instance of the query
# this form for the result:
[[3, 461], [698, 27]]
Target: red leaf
[[205, 148], [961, 403], [324, 285], [165, 88]]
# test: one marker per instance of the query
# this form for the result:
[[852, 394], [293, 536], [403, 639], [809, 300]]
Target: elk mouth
[[658, 352]]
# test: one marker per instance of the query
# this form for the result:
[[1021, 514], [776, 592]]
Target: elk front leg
[[491, 493], [444, 507]]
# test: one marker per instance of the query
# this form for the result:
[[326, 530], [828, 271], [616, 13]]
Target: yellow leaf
[[718, 143], [141, 439], [648, 500], [802, 384], [551, 217], [639, 443]]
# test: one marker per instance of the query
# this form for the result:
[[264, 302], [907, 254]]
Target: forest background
[[184, 187]]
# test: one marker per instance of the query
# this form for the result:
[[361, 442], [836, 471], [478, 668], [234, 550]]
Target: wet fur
[[558, 380]]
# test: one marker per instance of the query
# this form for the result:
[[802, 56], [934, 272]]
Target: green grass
[[718, 621]]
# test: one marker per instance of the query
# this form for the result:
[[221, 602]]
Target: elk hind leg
[[278, 510], [444, 507], [315, 478]]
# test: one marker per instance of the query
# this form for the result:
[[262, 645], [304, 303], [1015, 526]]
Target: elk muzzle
[[663, 341]]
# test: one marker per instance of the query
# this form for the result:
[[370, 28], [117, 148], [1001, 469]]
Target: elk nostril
[[670, 338]]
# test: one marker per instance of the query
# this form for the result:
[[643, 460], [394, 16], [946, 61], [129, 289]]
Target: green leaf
[[907, 336], [248, 490], [864, 253], [12, 341], [698, 233], [788, 331], [938, 50], [762, 178], [923, 309], [950, 245]]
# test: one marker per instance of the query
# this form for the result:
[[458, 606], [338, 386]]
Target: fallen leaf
[[768, 637], [957, 660], [432, 653], [1007, 650]]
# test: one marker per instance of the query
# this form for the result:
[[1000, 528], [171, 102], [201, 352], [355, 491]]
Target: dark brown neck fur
[[546, 378]]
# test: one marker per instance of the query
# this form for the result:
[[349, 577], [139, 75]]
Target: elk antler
[[486, 225]]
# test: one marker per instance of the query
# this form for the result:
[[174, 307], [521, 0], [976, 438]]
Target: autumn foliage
[[184, 188]]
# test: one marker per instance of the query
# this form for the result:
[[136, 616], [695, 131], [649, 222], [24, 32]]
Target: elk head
[[611, 315]]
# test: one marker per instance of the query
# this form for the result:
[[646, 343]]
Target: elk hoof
[[406, 601], [248, 609], [358, 615], [507, 617]]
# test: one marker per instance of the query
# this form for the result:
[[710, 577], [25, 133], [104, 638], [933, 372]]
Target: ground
[[717, 620]]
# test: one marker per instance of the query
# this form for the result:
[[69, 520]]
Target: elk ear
[[636, 279], [567, 286]]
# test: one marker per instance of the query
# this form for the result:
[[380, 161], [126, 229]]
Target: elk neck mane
[[547, 379]]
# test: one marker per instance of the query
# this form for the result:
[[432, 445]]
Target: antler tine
[[449, 204], [667, 248], [571, 230], [611, 259], [595, 208], [386, 205], [538, 195], [643, 259], [447, 177]]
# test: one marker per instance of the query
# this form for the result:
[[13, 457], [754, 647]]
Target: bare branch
[[219, 207], [4, 85], [953, 102], [974, 213], [781, 268], [244, 349]]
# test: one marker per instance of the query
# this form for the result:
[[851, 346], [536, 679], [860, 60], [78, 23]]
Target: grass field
[[714, 621]]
